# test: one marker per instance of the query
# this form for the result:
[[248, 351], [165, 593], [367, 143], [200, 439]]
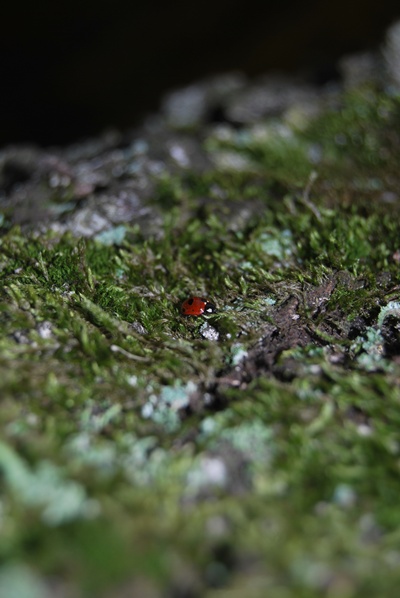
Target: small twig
[[305, 198], [117, 349]]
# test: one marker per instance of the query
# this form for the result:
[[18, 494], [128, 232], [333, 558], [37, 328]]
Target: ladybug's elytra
[[197, 306]]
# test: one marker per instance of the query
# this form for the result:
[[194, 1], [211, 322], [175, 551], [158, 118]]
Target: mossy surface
[[142, 455]]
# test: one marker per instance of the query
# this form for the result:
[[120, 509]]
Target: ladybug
[[197, 306]]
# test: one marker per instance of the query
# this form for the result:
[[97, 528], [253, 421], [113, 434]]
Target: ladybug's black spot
[[189, 301]]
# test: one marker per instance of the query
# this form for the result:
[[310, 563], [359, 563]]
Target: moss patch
[[138, 455]]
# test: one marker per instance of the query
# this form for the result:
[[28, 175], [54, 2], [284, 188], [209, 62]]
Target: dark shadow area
[[70, 70]]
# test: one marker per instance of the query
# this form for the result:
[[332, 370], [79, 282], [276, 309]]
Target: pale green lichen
[[391, 309], [59, 500], [112, 236], [163, 408], [22, 581]]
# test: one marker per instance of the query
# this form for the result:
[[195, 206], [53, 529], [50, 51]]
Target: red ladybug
[[197, 306]]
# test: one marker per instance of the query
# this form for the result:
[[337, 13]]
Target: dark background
[[69, 70]]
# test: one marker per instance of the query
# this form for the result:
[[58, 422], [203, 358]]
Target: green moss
[[360, 133], [131, 454]]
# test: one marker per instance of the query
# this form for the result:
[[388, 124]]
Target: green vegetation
[[130, 458]]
